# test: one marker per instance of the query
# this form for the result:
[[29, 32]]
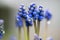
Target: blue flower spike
[[19, 21], [22, 11], [19, 24], [35, 15], [2, 32], [33, 11], [36, 37], [40, 13], [48, 18], [28, 21], [32, 7], [48, 15], [40, 17]]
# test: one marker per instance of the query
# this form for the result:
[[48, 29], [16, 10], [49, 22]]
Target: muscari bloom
[[22, 12], [40, 13], [48, 15], [28, 21], [32, 7], [36, 37], [19, 21], [33, 11], [2, 32]]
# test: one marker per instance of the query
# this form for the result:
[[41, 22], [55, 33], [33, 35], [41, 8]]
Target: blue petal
[[28, 21], [1, 34], [40, 7], [19, 22], [48, 15], [40, 18], [32, 5], [41, 15]]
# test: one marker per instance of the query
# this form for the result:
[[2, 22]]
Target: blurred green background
[[5, 12]]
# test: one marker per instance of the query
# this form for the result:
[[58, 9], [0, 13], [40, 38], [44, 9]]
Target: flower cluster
[[2, 32], [33, 13]]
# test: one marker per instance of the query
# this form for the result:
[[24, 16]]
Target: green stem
[[19, 33], [38, 27]]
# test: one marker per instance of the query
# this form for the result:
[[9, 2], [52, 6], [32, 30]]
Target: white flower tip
[[48, 22], [3, 32]]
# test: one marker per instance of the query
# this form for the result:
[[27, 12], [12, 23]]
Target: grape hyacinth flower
[[19, 21], [48, 18], [40, 13], [2, 32], [32, 10], [40, 18], [48, 15], [37, 37], [32, 7], [28, 21], [33, 14], [22, 12]]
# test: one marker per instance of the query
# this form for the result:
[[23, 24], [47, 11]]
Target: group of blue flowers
[[33, 13]]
